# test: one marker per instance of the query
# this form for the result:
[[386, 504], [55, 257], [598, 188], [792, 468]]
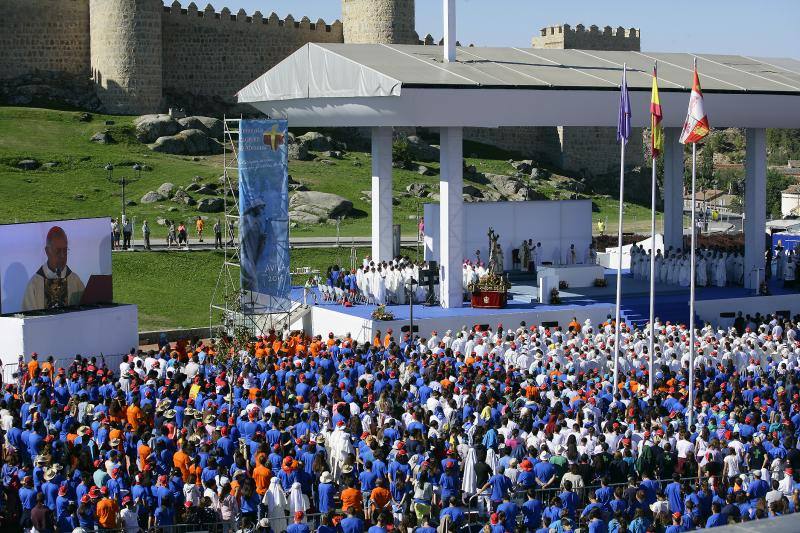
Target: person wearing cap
[[299, 525], [129, 518]]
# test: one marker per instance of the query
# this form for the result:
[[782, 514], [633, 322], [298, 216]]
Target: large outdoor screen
[[55, 265]]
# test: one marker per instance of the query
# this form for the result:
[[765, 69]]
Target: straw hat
[[162, 405], [209, 419], [83, 430], [326, 477], [113, 443], [347, 469], [169, 413], [49, 474]]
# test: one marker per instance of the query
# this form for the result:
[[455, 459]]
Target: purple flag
[[624, 123]]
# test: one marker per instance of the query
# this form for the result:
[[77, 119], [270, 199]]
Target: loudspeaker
[[406, 329], [549, 324]]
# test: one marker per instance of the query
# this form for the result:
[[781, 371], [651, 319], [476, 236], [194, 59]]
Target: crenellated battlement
[[564, 36], [225, 15]]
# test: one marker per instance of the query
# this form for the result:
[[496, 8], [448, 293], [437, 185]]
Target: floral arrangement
[[600, 282], [555, 297], [380, 313], [563, 285], [490, 283]]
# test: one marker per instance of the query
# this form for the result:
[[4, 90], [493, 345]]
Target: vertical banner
[[264, 213]]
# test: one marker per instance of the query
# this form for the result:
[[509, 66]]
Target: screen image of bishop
[[54, 285]]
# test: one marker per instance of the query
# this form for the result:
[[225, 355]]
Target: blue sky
[[747, 27]]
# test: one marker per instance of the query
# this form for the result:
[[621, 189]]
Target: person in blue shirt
[[677, 526], [569, 499], [298, 526], [352, 524], [545, 473], [532, 511], [500, 486], [509, 510], [674, 492], [757, 488], [717, 518], [367, 478], [456, 513], [326, 491], [596, 523]]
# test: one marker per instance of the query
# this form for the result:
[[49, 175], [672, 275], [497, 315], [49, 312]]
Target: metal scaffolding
[[234, 311]]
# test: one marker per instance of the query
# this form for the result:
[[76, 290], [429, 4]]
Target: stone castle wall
[[127, 54], [216, 54], [47, 35], [540, 144], [593, 151], [581, 38], [379, 21]]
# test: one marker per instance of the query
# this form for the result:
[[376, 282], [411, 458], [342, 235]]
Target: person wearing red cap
[[299, 525]]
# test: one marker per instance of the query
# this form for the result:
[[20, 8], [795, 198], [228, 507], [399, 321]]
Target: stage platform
[[595, 303]]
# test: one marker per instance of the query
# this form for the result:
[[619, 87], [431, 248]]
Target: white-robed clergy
[[340, 448], [701, 277], [685, 273], [720, 271], [469, 485], [277, 505], [297, 500]]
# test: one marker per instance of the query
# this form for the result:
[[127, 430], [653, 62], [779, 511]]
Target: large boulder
[[187, 142], [102, 137], [306, 206], [167, 189], [506, 185], [150, 127], [299, 152], [212, 127], [316, 141], [211, 205], [420, 190], [420, 150], [524, 166], [182, 197], [152, 197], [28, 164]]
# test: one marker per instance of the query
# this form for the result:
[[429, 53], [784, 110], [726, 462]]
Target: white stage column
[[755, 205], [382, 194], [673, 189], [451, 223]]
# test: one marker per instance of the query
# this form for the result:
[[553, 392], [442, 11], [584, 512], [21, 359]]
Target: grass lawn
[[77, 186], [174, 289]]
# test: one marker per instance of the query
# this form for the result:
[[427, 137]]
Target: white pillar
[[449, 7], [755, 205], [451, 221], [382, 194], [673, 189]]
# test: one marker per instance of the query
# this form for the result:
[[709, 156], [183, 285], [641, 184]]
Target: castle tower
[[379, 21], [126, 54]]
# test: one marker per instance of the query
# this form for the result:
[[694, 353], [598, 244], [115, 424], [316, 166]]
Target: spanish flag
[[657, 131]]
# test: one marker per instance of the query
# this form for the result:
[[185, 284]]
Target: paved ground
[[295, 242]]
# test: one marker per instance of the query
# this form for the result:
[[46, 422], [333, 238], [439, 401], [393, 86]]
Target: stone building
[[583, 151], [142, 54]]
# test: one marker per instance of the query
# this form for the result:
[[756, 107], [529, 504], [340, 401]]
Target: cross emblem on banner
[[273, 138]]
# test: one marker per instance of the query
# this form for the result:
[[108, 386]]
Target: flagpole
[[651, 347], [690, 405], [617, 325]]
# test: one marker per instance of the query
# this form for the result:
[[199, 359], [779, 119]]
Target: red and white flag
[[696, 126]]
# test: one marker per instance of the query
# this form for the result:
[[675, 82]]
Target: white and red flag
[[696, 126]]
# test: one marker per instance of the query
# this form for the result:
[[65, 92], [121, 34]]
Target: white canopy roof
[[402, 85]]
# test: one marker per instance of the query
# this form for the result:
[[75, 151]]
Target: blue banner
[[264, 212]]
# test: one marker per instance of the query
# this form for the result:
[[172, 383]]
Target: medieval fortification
[[141, 54]]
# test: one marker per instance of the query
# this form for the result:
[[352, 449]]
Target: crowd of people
[[714, 267], [505, 429], [376, 282]]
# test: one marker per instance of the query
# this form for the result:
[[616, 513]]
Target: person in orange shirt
[[134, 415], [181, 462], [144, 451], [574, 326], [107, 510], [47, 367], [262, 475], [331, 340], [351, 497], [379, 498], [33, 365], [388, 338], [377, 340]]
